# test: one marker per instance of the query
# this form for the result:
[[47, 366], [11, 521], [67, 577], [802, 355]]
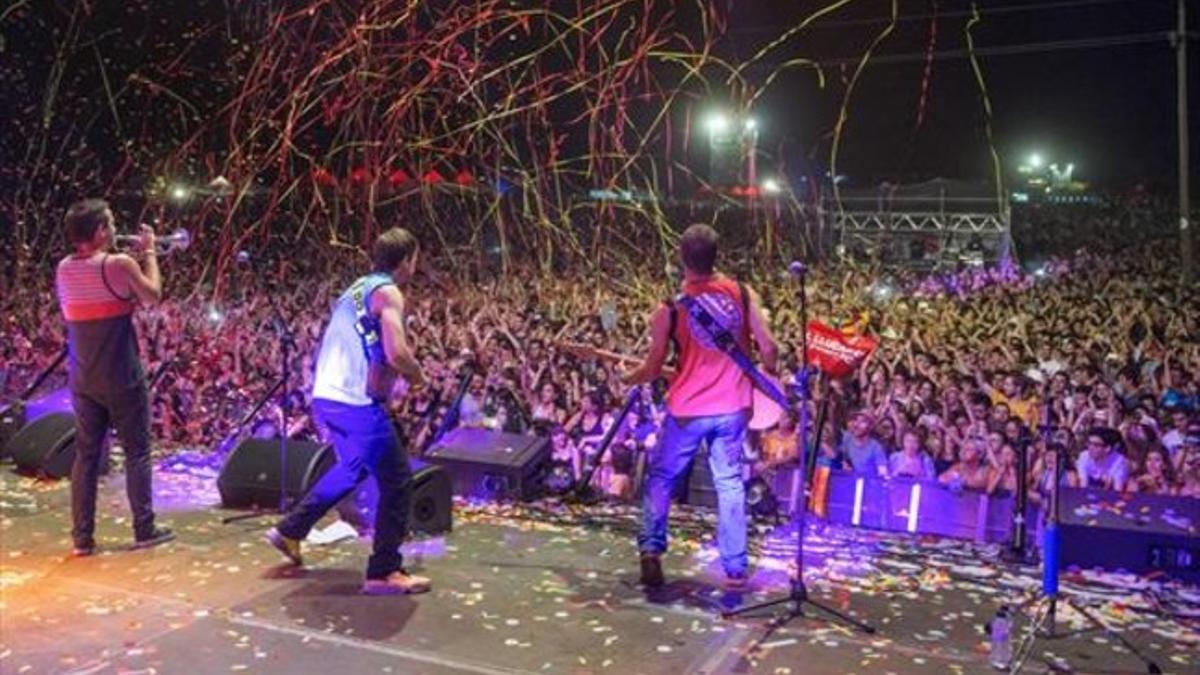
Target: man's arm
[[660, 326], [144, 281], [768, 349], [388, 302]]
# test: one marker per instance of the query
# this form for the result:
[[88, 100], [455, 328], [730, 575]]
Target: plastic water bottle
[[1001, 634]]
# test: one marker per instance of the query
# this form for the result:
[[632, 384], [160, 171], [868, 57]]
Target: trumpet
[[179, 240]]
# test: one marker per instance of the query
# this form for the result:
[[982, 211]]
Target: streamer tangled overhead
[[484, 122]]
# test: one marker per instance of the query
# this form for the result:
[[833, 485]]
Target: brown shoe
[[396, 583], [289, 547], [652, 574]]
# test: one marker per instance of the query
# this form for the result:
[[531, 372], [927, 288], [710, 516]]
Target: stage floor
[[515, 591]]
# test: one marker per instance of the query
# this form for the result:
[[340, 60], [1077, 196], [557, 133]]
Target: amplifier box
[[493, 464]]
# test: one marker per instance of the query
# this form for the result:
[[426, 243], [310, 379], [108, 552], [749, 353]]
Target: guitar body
[[766, 413], [767, 410]]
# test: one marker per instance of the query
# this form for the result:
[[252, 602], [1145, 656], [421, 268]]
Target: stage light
[[215, 315], [856, 512], [759, 498], [717, 123], [560, 480], [180, 193], [914, 507], [750, 124], [771, 186], [1035, 161]]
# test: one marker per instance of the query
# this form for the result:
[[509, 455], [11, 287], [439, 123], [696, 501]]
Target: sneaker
[[159, 535], [84, 550], [396, 583], [652, 574], [289, 547]]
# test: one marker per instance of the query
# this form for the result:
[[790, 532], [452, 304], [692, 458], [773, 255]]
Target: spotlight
[[717, 123], [215, 315], [881, 291], [180, 193], [771, 186]]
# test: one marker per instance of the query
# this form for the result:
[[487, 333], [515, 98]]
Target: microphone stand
[[287, 341], [583, 491], [797, 595], [1045, 623], [12, 416], [451, 419], [232, 436]]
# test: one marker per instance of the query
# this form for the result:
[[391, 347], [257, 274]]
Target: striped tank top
[[101, 340]]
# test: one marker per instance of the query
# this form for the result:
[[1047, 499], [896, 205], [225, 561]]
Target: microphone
[[797, 269]]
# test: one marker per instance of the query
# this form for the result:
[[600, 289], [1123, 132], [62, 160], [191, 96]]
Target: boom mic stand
[[798, 596], [583, 491], [287, 341], [12, 415], [1045, 622], [452, 413]]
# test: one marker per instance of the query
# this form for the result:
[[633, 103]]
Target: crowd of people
[[1089, 363]]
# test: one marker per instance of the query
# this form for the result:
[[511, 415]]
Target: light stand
[[1045, 622], [797, 596]]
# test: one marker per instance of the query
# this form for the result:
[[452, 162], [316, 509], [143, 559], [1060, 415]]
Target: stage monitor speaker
[[493, 464], [250, 476], [45, 447], [1148, 534], [430, 510], [12, 420]]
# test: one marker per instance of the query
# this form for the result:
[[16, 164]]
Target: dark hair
[[84, 218], [698, 248], [392, 248], [1109, 436]]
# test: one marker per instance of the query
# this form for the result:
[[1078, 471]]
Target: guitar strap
[[671, 304], [725, 341]]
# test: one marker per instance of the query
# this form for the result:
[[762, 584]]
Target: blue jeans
[[681, 438], [366, 442]]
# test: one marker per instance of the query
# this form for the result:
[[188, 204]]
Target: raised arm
[[651, 368]]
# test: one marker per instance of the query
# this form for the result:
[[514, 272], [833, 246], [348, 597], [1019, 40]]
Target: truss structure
[[876, 221]]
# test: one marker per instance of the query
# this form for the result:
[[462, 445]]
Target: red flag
[[834, 352]]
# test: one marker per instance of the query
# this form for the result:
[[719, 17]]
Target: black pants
[[367, 444], [129, 412]]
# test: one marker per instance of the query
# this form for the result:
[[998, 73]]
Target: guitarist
[[708, 401], [364, 347]]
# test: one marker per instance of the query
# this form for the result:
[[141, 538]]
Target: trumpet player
[[98, 292]]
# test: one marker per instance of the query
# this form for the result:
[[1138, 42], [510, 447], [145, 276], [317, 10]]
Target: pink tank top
[[709, 382]]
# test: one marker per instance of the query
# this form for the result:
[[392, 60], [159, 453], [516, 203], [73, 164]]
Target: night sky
[[1109, 110]]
